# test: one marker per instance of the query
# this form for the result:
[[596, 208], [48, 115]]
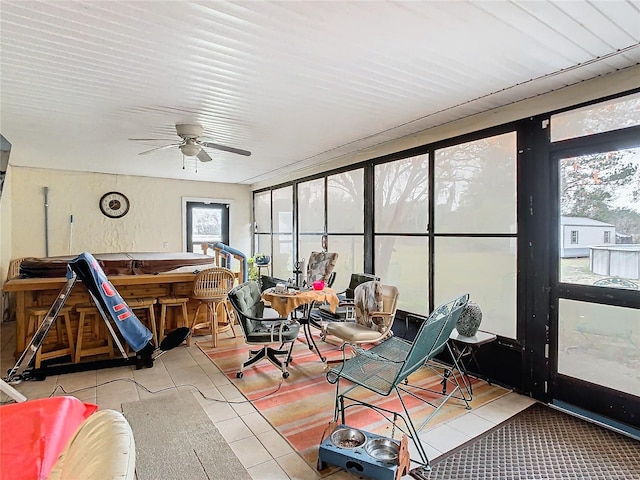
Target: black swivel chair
[[260, 330]]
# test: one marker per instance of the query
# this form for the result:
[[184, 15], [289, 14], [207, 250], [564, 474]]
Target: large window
[[311, 211], [401, 198], [403, 261], [602, 117], [475, 186], [282, 225], [207, 223], [599, 344], [475, 224], [345, 202], [262, 223], [311, 217], [308, 244], [471, 247], [485, 268], [345, 223], [600, 201], [262, 212], [350, 250], [401, 247]]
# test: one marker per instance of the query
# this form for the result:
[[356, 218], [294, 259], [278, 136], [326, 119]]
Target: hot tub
[[621, 260], [117, 263]]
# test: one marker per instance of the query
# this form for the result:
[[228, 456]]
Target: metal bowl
[[348, 438], [383, 449]]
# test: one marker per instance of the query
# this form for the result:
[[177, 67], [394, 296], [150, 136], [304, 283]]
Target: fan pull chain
[[183, 161]]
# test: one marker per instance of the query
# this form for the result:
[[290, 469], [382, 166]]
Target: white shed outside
[[577, 234]]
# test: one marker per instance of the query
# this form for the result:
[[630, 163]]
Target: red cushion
[[33, 433]]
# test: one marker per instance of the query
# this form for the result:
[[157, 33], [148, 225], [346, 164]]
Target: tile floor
[[265, 454]]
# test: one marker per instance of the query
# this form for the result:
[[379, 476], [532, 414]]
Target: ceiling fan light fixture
[[191, 145], [190, 149]]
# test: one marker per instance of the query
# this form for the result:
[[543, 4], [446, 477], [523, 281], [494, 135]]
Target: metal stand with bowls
[[364, 453]]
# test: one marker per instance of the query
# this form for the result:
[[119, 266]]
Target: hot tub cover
[[115, 263]]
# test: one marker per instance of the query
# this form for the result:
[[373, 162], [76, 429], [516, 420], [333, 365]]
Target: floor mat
[[542, 443], [176, 440]]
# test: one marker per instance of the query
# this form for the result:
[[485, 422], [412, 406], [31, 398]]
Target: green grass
[[576, 270]]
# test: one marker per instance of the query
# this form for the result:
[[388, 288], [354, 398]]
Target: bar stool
[[146, 304], [98, 339], [210, 288], [173, 301], [36, 316]]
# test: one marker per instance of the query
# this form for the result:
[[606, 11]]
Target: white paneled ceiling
[[298, 83]]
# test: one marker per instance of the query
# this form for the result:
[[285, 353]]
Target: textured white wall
[[155, 216], [5, 217], [5, 229]]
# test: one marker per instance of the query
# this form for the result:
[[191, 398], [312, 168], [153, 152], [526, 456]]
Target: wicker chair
[[210, 288]]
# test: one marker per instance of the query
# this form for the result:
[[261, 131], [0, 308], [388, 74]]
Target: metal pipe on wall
[[71, 234], [46, 221]]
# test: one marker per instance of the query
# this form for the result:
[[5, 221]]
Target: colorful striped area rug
[[301, 406]]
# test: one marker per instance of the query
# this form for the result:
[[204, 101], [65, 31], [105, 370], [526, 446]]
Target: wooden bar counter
[[42, 292]]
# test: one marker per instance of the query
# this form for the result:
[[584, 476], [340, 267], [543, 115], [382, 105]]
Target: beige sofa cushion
[[101, 449]]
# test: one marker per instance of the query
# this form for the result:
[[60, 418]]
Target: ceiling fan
[[191, 145]]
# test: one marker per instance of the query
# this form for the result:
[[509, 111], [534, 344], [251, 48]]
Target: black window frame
[[191, 204]]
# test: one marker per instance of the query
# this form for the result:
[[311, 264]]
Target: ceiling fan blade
[[164, 147], [203, 156], [151, 139], [224, 148]]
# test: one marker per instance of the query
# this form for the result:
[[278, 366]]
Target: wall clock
[[114, 204]]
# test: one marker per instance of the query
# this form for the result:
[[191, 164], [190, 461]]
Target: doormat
[[541, 443]]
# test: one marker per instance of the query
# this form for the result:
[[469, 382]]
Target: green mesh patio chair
[[385, 368]]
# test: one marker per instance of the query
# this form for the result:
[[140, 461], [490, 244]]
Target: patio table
[[286, 303]]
